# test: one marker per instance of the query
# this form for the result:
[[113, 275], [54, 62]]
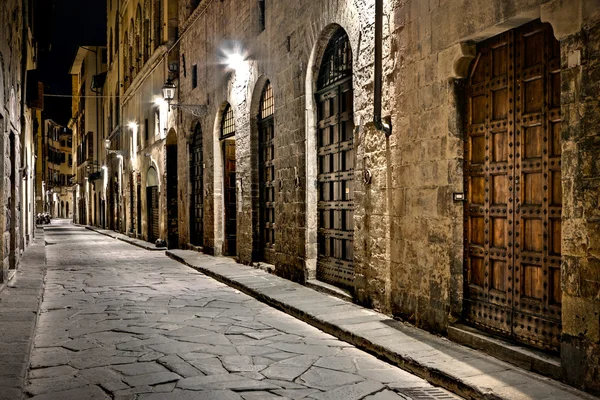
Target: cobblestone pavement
[[121, 322]]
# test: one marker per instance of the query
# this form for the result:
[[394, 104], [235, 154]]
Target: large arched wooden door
[[513, 183], [335, 154], [197, 197]]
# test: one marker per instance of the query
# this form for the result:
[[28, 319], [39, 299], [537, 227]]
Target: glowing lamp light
[[235, 60], [132, 125], [168, 91]]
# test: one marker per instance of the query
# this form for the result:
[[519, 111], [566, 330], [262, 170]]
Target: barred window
[[227, 123], [337, 60], [267, 103]]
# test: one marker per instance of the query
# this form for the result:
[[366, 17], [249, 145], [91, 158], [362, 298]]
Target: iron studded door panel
[[197, 234], [335, 154], [230, 198], [267, 188], [172, 200], [152, 196], [512, 179]]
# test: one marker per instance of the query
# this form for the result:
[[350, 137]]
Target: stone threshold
[[329, 289], [514, 353], [457, 368]]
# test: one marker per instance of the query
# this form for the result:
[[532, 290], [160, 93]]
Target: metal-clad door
[[197, 198]]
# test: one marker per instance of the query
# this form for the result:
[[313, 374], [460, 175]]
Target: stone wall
[[408, 242], [10, 125]]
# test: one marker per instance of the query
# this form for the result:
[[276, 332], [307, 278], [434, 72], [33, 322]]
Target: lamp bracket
[[196, 110], [117, 152]]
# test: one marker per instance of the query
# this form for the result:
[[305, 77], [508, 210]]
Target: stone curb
[[430, 357]]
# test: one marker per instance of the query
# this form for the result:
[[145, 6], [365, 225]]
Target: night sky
[[73, 23]]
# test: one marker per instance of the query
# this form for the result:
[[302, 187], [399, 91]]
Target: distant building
[[58, 175], [88, 73]]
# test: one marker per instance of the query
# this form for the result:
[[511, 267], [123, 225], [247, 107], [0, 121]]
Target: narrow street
[[121, 322]]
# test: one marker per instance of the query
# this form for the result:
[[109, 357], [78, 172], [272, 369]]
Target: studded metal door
[[513, 184], [172, 198], [230, 198], [152, 201], [335, 155], [197, 198], [266, 133]]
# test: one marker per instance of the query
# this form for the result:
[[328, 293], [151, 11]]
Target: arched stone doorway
[[172, 190], [197, 188], [335, 163], [152, 208], [227, 140]]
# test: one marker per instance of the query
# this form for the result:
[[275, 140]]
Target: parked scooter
[[42, 218]]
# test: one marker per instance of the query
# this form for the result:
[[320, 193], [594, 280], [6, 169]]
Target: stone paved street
[[121, 322]]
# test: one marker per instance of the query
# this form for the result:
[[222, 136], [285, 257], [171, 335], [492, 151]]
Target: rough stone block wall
[[580, 59], [10, 114], [408, 242]]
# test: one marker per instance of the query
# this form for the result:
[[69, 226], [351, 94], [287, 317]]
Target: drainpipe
[[380, 124]]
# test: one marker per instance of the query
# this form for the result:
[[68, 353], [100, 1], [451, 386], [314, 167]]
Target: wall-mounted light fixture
[[169, 94], [119, 153]]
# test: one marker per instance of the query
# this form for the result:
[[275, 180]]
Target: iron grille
[[227, 123], [266, 129], [337, 60], [267, 103]]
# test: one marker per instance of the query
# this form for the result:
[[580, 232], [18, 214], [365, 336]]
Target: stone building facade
[[57, 174], [481, 206], [18, 124], [140, 35], [88, 73]]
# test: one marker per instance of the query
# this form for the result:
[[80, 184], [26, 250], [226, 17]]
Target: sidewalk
[[19, 306], [462, 370]]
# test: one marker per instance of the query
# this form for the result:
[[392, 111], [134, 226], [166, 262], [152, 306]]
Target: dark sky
[[74, 23]]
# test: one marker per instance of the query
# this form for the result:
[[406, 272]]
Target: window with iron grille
[[266, 168], [337, 60], [227, 123]]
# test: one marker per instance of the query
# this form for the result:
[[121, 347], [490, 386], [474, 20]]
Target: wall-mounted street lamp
[[169, 94], [119, 153]]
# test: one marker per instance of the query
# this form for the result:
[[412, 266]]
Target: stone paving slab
[[457, 368], [19, 306], [122, 323], [136, 242]]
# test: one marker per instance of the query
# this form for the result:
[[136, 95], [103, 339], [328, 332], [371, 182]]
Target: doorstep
[[460, 369], [521, 356]]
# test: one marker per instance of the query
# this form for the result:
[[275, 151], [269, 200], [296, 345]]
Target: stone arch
[[171, 137], [218, 181], [312, 73], [152, 177]]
